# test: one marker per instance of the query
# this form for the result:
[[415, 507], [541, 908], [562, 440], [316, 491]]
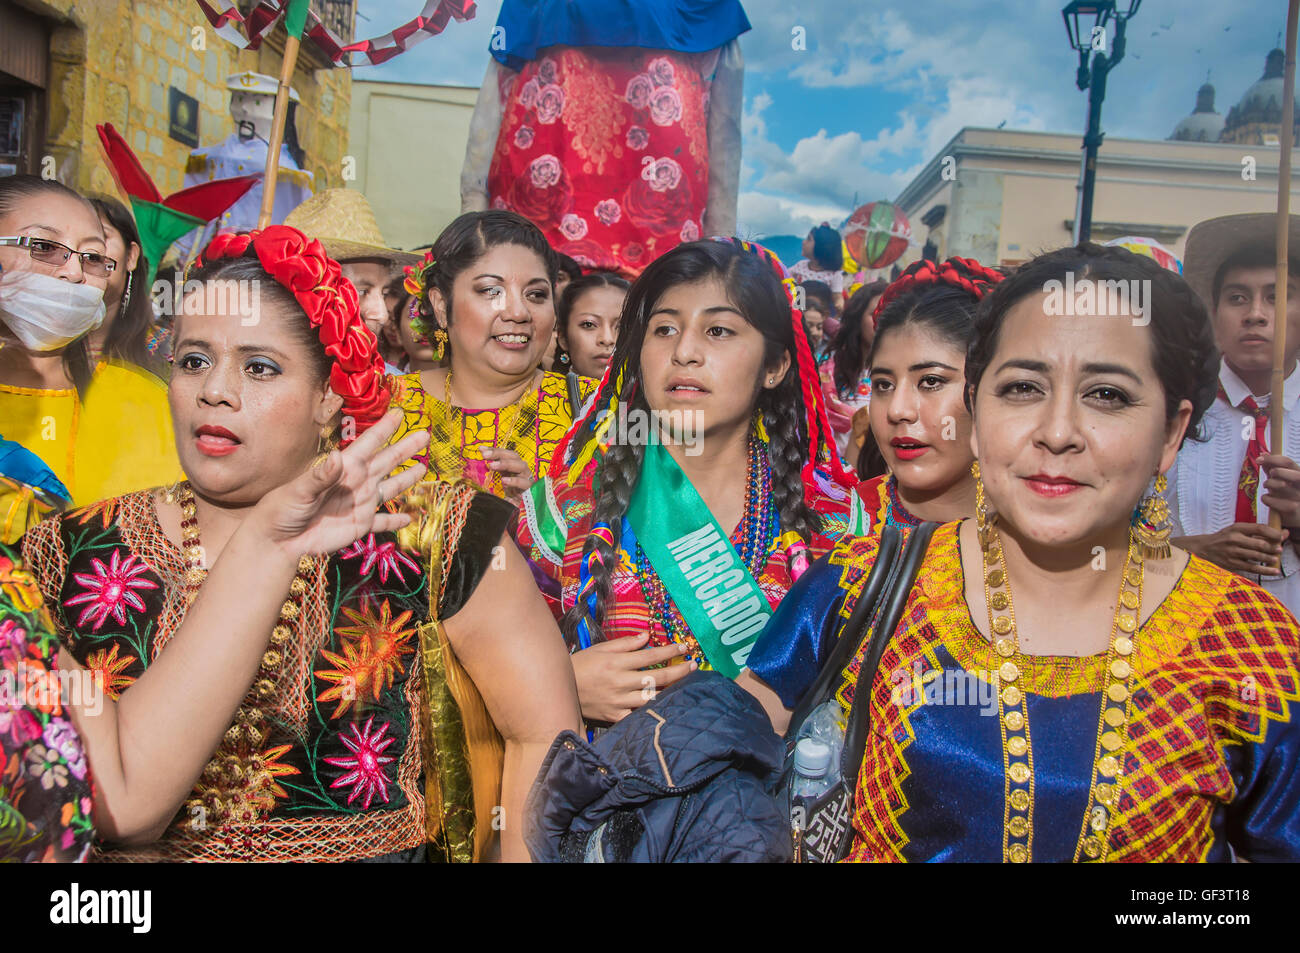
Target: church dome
[[1267, 92], [1204, 124]]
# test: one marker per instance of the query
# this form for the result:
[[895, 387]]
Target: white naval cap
[[259, 84]]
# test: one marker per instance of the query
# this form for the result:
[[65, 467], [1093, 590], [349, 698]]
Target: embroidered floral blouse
[[339, 774], [45, 786]]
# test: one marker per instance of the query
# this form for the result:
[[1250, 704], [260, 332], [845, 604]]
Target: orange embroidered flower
[[107, 670], [373, 649]]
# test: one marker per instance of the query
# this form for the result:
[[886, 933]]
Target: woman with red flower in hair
[[341, 648]]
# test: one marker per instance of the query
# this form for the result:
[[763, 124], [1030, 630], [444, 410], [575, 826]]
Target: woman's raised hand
[[337, 502]]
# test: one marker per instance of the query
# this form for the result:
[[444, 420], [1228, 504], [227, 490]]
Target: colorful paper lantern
[[877, 234]]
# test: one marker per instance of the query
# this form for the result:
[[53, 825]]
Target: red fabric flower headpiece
[[964, 273], [316, 281]]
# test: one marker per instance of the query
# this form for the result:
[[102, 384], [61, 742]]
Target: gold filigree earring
[[440, 343], [1151, 524]]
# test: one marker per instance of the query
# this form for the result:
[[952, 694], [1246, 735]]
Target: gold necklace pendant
[[1013, 711]]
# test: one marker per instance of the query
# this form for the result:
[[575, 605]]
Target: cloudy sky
[[880, 88]]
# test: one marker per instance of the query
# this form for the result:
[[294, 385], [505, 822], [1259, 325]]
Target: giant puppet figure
[[612, 124], [243, 152]]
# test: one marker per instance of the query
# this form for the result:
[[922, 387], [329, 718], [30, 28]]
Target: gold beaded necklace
[[1013, 710], [234, 787], [500, 430]]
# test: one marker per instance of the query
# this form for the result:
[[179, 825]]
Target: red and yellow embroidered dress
[[1209, 767], [532, 426]]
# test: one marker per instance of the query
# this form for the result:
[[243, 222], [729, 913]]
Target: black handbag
[[825, 835]]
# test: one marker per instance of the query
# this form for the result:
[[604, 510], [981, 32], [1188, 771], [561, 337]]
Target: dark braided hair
[[756, 291], [1183, 351]]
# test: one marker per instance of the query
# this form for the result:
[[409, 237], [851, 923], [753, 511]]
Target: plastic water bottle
[[812, 761]]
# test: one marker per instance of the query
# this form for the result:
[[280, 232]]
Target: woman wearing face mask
[[587, 323], [702, 506], [129, 332], [103, 429], [486, 298], [1085, 677], [923, 324], [360, 736]]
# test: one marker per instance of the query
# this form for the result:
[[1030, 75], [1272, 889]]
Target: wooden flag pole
[[291, 46], [1283, 236]]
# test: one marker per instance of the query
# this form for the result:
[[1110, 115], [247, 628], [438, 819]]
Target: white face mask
[[47, 313]]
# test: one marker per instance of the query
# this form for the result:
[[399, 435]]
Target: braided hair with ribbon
[[297, 265], [964, 274], [790, 416]]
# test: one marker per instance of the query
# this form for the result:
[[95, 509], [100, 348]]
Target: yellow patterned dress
[[1209, 763], [532, 426], [118, 439]]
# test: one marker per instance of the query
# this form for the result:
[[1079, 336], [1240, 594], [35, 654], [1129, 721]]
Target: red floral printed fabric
[[607, 151]]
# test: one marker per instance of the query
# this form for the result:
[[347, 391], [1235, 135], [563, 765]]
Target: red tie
[[1248, 481]]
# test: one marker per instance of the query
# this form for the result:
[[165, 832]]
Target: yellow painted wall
[[113, 61]]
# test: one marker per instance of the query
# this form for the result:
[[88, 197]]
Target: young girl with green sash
[[690, 498]]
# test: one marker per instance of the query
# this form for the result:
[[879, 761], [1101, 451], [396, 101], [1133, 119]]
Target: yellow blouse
[[119, 439], [532, 427]]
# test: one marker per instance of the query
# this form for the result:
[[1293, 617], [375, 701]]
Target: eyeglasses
[[54, 253]]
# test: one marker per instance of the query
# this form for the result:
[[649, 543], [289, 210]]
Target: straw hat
[[333, 213], [1214, 241]]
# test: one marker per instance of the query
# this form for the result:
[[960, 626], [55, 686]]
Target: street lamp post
[[1085, 22]]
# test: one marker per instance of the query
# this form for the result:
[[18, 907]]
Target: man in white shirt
[[1222, 488]]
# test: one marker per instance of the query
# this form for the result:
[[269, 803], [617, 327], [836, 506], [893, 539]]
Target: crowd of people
[[440, 555]]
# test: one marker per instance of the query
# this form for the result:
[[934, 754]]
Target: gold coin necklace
[[1013, 710], [514, 420], [235, 788]]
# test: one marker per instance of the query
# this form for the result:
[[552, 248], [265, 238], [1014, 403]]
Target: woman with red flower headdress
[[366, 643], [701, 452]]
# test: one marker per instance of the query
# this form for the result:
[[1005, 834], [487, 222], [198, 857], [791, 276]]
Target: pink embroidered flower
[[523, 137], [13, 642], [665, 106], [663, 174], [528, 95], [637, 138], [544, 171], [547, 71], [386, 556], [367, 763], [550, 103], [608, 212], [110, 589], [62, 737], [573, 226], [661, 71], [19, 724], [497, 202], [690, 231], [639, 88]]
